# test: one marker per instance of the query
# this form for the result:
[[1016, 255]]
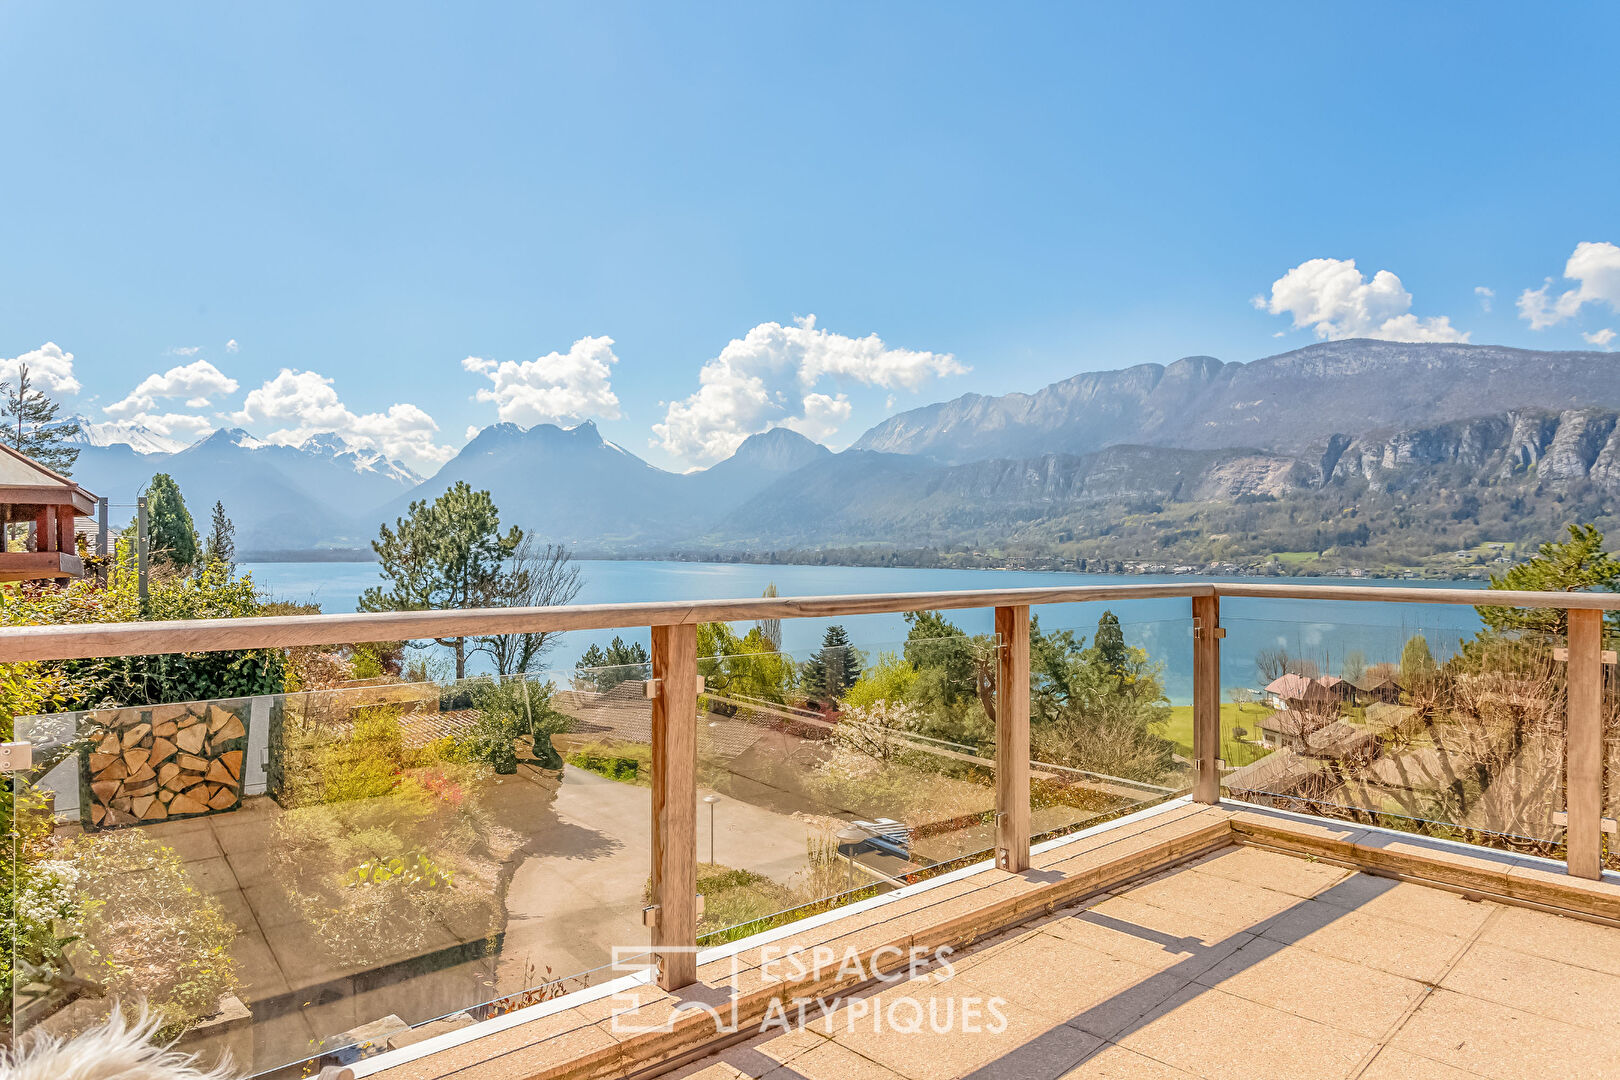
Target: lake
[[1324, 631]]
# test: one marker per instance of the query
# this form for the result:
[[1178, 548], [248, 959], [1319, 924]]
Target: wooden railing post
[[1012, 739], [1207, 634], [1583, 745], [673, 914]]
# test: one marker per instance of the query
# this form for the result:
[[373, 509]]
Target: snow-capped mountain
[[138, 437], [320, 493]]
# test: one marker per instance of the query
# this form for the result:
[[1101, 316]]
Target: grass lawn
[[1179, 730]]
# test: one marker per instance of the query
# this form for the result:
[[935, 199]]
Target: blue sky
[[403, 205]]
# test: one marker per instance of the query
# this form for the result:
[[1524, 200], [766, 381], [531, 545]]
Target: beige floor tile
[[1393, 1064], [1399, 948], [1152, 937], [1071, 984], [1493, 1040], [1556, 937], [1433, 909], [1225, 1037], [1535, 984], [829, 1061], [1118, 1063], [1229, 906], [766, 1053], [1290, 874], [1000, 1039], [1362, 1000]]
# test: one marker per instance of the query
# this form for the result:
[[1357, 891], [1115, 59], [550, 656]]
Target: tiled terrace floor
[[1243, 965]]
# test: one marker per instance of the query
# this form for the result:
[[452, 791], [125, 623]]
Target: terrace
[[1425, 896]]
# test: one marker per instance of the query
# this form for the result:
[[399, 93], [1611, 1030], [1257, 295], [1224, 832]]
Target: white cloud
[[768, 379], [553, 389], [1486, 294], [1333, 297], [197, 382], [231, 346], [306, 398], [48, 366], [1596, 266], [1600, 338], [185, 350]]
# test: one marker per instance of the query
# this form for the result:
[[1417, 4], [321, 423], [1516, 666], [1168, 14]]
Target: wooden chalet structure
[[32, 494]]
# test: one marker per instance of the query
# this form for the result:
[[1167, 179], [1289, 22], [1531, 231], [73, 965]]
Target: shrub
[[146, 932]]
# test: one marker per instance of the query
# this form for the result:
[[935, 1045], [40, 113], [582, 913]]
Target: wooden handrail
[[85, 641]]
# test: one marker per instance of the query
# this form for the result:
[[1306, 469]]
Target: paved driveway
[[579, 891]]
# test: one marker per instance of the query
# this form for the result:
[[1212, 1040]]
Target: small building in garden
[[1293, 691], [50, 503]]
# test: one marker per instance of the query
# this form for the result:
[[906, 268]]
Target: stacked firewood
[[162, 762]]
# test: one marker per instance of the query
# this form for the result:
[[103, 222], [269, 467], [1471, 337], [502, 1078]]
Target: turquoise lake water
[[1325, 631]]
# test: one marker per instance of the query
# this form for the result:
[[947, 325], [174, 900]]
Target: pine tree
[[32, 428], [1578, 564], [834, 668], [221, 546], [1110, 643], [606, 668], [171, 536]]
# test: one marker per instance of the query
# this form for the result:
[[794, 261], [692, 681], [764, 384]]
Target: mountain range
[[1398, 436]]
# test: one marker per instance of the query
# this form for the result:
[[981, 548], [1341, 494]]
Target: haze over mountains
[[1362, 420]]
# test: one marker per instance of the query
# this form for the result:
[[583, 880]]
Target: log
[[188, 780], [184, 803], [114, 770], [217, 717], [167, 772], [104, 789], [120, 802], [168, 713], [109, 745], [219, 774], [233, 762], [142, 804], [222, 798], [142, 775], [145, 787], [231, 729], [190, 739], [98, 813], [100, 761], [156, 812], [135, 759], [193, 763], [163, 749], [165, 730], [136, 735]]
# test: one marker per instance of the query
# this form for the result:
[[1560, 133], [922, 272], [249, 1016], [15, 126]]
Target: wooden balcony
[[39, 565], [1151, 945]]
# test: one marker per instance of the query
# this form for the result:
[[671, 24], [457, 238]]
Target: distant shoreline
[[361, 557]]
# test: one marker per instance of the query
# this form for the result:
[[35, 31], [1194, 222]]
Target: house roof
[[1296, 687], [25, 482]]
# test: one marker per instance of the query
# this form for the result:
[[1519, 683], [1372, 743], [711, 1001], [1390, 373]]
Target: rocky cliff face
[[1550, 450]]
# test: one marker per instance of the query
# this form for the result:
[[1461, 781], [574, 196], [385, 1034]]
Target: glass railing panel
[[832, 774], [1452, 734], [1110, 715], [1611, 745], [301, 880]]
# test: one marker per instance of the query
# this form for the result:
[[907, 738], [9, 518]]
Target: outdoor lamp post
[[711, 800]]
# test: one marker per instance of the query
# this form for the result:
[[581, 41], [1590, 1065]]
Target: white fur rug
[[117, 1050]]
